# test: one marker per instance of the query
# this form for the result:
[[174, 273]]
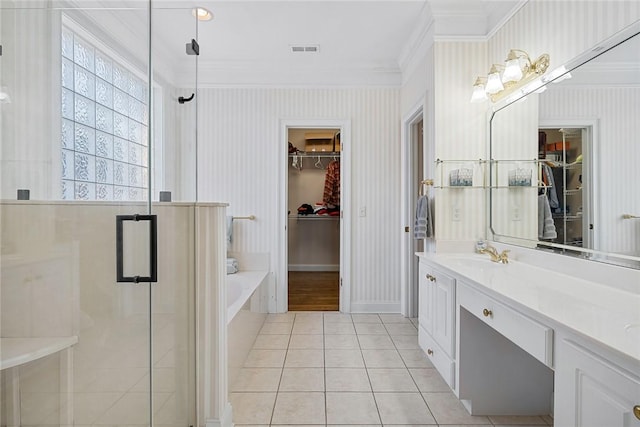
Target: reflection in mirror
[[564, 173]]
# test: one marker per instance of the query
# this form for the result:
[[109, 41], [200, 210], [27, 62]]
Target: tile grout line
[[284, 361], [409, 372], [366, 370]]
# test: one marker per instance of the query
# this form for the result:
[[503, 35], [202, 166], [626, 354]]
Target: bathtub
[[246, 313]]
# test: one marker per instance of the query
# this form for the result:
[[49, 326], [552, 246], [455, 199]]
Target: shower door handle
[[139, 256]]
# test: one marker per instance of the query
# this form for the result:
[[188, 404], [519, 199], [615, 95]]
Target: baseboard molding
[[226, 420], [375, 307], [314, 267]]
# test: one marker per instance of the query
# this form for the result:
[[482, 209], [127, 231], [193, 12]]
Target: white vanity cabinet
[[592, 391], [436, 316], [517, 339]]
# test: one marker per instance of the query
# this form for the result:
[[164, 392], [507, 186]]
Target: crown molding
[[506, 18], [265, 74]]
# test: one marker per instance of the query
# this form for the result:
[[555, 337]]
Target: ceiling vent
[[305, 49]]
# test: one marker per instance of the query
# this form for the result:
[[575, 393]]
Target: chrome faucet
[[484, 248]]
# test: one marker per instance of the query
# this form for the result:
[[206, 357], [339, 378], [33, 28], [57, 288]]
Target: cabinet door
[[444, 298], [425, 298], [592, 392]]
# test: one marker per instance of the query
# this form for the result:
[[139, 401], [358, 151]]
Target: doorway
[[414, 173], [313, 200], [314, 267], [565, 154]]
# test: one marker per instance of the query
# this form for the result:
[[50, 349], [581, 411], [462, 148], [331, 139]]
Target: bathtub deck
[[314, 291]]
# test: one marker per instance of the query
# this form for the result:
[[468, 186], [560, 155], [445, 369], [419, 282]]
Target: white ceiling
[[249, 41]]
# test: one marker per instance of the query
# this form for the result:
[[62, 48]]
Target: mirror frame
[[621, 260]]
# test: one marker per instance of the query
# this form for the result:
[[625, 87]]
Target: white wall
[[563, 29], [238, 162]]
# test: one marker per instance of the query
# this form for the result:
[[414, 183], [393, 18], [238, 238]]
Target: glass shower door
[[84, 125]]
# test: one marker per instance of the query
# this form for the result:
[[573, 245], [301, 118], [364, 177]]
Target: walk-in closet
[[564, 152], [313, 200]]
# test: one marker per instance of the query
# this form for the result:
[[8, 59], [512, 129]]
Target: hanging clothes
[[331, 197]]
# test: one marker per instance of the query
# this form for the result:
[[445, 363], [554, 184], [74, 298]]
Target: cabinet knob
[[431, 278], [430, 353], [636, 411], [486, 312]]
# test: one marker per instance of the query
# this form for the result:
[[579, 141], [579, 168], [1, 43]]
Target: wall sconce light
[[517, 71]]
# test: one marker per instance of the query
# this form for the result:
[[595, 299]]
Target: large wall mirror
[[565, 170]]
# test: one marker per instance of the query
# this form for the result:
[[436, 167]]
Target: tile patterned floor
[[313, 368]]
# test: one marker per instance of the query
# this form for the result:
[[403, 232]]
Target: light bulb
[[479, 94], [494, 84], [512, 71]]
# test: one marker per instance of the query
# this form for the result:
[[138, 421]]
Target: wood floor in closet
[[314, 290]]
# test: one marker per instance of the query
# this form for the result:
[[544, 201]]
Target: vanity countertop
[[604, 313]]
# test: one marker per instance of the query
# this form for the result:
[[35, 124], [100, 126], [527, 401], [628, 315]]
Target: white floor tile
[[299, 408], [382, 359], [429, 380], [517, 420], [370, 329], [366, 318], [308, 327], [394, 318], [343, 342], [252, 408], [337, 317], [403, 408], [265, 359], [347, 379], [401, 329], [306, 342], [343, 358], [302, 379], [271, 342], [415, 358], [376, 342], [304, 359], [390, 380], [257, 379], [281, 317], [351, 408], [339, 328], [276, 328], [407, 342], [447, 409]]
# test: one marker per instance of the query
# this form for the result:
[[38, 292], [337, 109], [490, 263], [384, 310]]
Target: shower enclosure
[[91, 134]]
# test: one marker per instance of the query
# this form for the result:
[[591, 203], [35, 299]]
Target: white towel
[[229, 230], [423, 227], [232, 265], [546, 227]]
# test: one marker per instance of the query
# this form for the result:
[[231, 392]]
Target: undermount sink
[[474, 261]]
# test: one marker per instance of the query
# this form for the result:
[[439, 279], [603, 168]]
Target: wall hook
[[182, 99]]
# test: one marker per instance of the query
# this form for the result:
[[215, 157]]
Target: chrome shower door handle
[[141, 259]]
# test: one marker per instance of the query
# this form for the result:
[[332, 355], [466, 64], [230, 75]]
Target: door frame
[[590, 198], [282, 282], [409, 262]]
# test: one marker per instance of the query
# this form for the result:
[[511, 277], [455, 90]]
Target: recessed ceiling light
[[202, 14]]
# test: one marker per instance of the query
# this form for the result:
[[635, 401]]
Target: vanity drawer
[[438, 357], [533, 337]]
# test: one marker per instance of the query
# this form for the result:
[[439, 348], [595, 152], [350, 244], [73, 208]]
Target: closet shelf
[[314, 217], [321, 154]]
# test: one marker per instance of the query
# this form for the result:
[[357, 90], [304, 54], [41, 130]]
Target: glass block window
[[104, 132]]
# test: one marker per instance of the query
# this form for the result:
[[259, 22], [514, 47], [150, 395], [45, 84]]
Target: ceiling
[[358, 41]]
